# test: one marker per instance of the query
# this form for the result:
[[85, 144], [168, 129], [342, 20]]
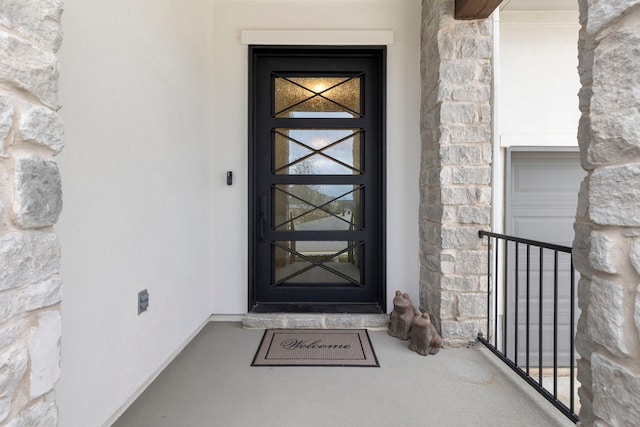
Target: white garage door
[[542, 197]]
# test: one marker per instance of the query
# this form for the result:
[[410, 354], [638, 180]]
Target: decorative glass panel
[[318, 262], [318, 207], [318, 151], [320, 97]]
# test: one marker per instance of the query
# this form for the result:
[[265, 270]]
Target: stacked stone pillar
[[31, 133], [607, 242], [455, 175]]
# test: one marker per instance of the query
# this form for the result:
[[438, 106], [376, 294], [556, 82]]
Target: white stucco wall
[[136, 181], [154, 96], [230, 261], [539, 81]]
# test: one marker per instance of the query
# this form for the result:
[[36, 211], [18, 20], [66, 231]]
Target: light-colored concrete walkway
[[211, 383]]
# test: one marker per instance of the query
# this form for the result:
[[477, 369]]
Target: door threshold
[[282, 320], [319, 308]]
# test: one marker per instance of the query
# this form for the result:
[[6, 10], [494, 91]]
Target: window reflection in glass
[[318, 151], [318, 207], [318, 262]]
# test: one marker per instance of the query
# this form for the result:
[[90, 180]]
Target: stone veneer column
[[31, 133], [455, 187], [607, 242]]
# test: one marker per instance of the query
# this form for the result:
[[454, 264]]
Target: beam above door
[[475, 9]]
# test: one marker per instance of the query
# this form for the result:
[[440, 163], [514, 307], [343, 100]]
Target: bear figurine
[[401, 317], [425, 339]]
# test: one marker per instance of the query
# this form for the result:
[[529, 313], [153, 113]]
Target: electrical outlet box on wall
[[143, 301]]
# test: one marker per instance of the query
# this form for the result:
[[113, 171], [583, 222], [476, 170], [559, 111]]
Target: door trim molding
[[317, 37]]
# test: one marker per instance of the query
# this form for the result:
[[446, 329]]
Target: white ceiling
[[539, 5]]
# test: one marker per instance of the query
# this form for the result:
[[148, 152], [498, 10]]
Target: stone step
[[315, 321]]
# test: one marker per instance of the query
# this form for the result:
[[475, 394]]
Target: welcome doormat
[[315, 347]]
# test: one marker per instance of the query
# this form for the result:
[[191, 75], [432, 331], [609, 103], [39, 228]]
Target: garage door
[[542, 196]]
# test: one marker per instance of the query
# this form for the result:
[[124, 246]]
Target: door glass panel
[[318, 207], [319, 97], [318, 262], [318, 151]]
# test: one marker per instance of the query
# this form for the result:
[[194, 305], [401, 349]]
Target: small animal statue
[[425, 339], [401, 317]]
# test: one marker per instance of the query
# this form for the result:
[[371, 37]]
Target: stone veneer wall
[[455, 176], [607, 242], [31, 133]]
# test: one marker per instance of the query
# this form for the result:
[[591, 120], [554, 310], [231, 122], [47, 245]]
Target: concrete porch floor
[[211, 383]]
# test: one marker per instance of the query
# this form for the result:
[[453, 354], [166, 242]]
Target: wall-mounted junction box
[[143, 301]]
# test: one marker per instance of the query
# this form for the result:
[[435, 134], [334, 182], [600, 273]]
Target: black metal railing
[[531, 312]]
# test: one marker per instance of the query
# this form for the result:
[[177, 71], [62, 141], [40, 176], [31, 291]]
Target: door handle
[[263, 218]]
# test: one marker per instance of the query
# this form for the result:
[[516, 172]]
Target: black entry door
[[317, 179]]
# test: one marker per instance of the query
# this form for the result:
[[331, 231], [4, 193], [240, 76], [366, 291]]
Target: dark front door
[[317, 176]]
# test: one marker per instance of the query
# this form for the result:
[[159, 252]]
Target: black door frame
[[256, 52]]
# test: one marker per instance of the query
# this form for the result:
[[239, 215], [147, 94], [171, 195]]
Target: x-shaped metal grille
[[321, 263], [318, 94], [318, 151], [322, 207]]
